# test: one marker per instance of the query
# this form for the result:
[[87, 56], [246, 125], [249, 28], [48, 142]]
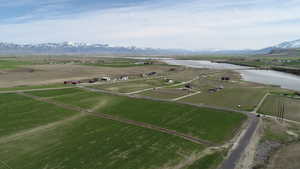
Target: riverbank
[[291, 70], [262, 76]]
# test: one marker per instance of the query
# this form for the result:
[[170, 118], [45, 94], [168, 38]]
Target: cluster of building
[[94, 80], [108, 78], [216, 89], [144, 63], [221, 87]]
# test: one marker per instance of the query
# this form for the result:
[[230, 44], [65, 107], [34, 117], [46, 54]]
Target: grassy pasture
[[212, 125], [12, 64], [131, 86], [19, 113], [292, 107], [84, 142], [208, 162]]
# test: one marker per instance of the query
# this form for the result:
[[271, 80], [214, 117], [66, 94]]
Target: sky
[[184, 24]]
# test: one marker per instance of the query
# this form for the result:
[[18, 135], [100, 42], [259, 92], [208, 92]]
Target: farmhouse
[[124, 77]]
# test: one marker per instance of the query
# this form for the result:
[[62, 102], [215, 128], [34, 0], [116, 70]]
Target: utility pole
[[280, 111], [283, 111]]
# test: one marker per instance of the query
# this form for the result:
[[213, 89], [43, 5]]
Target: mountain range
[[104, 49]]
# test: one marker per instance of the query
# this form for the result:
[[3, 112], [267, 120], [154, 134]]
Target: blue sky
[[189, 24]]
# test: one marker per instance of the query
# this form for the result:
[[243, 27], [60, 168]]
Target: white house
[[124, 78]]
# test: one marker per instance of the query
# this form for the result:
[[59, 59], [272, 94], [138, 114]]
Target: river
[[269, 77]]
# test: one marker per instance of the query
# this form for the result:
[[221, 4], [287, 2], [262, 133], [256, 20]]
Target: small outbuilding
[[189, 86], [225, 78], [72, 82], [93, 80], [169, 81], [105, 78], [152, 73]]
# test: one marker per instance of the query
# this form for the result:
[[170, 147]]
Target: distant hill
[[285, 52], [290, 48], [104, 49], [287, 49], [83, 48], [289, 45]]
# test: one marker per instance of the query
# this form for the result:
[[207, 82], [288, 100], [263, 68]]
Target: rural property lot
[[132, 86], [207, 124], [292, 107], [247, 98]]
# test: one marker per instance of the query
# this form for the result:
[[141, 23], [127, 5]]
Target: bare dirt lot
[[45, 74], [287, 158], [279, 147]]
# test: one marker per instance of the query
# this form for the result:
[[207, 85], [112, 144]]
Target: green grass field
[[248, 98], [208, 162], [292, 107], [12, 64], [132, 86], [19, 113], [37, 135], [212, 125]]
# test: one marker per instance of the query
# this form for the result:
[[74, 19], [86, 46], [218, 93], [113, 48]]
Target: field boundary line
[[123, 120], [33, 90], [40, 128], [261, 102], [185, 96]]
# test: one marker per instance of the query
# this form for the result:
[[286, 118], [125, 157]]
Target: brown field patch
[[286, 158], [45, 74]]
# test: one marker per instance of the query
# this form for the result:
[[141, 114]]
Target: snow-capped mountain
[[289, 45], [83, 48]]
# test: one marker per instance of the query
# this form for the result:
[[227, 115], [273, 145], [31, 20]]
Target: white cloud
[[229, 24]]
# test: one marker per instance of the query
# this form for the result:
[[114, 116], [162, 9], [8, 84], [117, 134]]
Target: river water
[[270, 77]]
